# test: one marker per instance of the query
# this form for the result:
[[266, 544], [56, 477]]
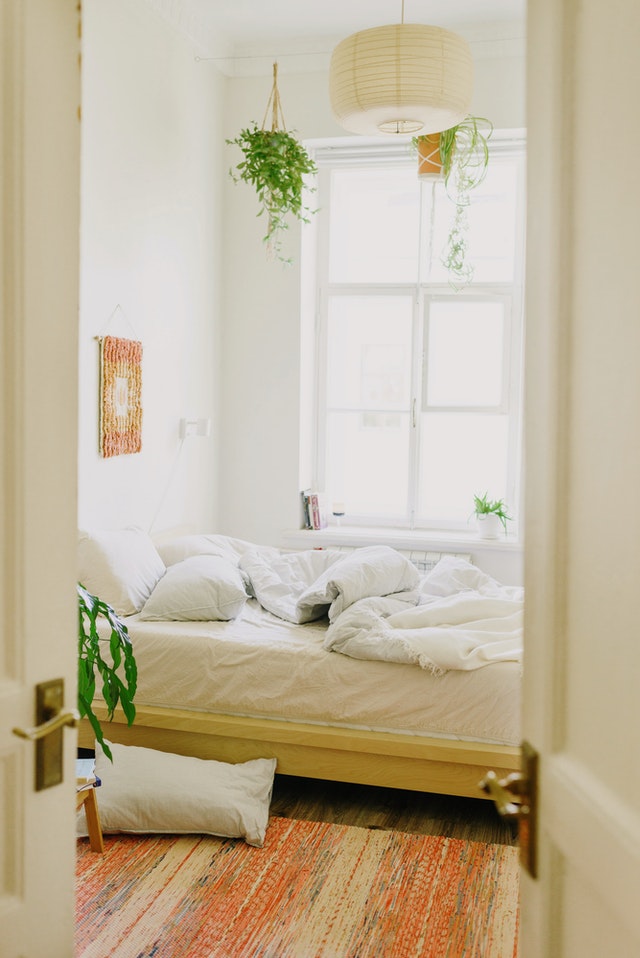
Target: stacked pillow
[[121, 567], [124, 569], [195, 589]]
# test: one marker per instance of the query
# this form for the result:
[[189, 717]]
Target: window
[[418, 386]]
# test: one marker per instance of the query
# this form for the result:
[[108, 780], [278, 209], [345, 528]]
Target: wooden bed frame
[[445, 766]]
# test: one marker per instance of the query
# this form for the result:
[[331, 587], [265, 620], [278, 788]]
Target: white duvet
[[304, 586], [463, 631], [455, 617]]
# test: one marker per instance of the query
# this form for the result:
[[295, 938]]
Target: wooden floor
[[369, 806], [390, 808]]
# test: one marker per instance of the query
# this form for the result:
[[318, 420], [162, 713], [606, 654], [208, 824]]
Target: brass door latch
[[516, 799], [47, 733]]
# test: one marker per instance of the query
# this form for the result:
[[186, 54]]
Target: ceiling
[[239, 34], [249, 21]]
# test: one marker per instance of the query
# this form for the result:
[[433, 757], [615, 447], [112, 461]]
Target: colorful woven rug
[[314, 891]]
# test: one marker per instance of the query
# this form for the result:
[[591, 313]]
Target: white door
[[39, 217], [582, 666]]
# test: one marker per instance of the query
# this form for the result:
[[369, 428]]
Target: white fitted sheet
[[259, 665]]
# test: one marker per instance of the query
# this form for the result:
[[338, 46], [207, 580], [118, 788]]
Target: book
[[314, 509], [305, 510], [319, 509]]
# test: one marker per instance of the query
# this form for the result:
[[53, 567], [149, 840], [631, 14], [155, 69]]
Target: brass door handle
[[68, 717], [516, 799], [47, 733]]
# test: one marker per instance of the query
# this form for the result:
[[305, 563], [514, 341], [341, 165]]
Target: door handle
[[516, 799], [69, 717], [51, 718]]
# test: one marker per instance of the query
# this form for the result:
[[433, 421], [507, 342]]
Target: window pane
[[492, 224], [440, 210], [461, 454], [491, 218], [464, 353], [380, 248], [369, 352], [374, 231], [367, 462]]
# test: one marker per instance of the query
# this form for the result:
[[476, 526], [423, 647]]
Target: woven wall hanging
[[120, 396]]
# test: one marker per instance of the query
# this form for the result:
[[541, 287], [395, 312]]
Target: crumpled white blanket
[[464, 620], [303, 586], [455, 617]]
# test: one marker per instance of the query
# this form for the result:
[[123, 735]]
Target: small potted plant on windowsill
[[490, 515], [119, 676]]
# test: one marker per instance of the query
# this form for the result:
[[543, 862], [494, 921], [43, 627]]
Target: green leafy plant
[[464, 153], [118, 676], [483, 506], [275, 164]]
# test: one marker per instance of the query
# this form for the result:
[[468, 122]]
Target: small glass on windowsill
[[337, 511]]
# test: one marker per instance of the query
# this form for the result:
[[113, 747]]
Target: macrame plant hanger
[[274, 104]]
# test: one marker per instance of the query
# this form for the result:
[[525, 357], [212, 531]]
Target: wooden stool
[[87, 797]]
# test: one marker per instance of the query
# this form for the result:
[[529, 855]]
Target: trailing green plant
[[275, 163], [483, 506], [464, 151], [465, 156], [118, 674]]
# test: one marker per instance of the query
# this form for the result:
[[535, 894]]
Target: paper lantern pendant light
[[402, 78]]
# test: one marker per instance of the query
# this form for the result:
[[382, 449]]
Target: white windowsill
[[423, 539]]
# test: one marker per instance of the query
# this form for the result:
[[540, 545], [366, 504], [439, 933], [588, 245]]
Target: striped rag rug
[[314, 890]]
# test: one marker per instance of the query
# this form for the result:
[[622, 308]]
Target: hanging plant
[[462, 155], [275, 163]]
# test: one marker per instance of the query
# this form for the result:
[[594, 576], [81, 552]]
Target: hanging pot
[[429, 158]]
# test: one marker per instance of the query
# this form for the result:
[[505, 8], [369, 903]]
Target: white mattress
[[260, 665]]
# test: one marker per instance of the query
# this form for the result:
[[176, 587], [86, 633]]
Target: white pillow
[[201, 544], [148, 791], [199, 588], [121, 567]]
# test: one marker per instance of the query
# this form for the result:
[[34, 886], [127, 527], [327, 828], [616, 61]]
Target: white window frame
[[362, 152]]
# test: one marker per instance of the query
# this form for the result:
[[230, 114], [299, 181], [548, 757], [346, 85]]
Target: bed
[[339, 666]]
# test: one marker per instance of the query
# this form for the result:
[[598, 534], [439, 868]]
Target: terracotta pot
[[429, 159]]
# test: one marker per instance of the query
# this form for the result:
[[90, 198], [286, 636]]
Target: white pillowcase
[[201, 544], [148, 791], [201, 588], [121, 567]]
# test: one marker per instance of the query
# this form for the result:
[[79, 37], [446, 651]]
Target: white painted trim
[[398, 539], [583, 805]]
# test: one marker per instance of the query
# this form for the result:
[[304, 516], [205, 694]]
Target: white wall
[[170, 238], [259, 451], [152, 179]]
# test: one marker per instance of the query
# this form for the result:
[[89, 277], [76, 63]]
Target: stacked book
[[315, 510]]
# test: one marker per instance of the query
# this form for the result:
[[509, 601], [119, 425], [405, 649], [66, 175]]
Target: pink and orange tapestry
[[120, 396]]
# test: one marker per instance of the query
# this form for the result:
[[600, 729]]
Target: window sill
[[423, 539]]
